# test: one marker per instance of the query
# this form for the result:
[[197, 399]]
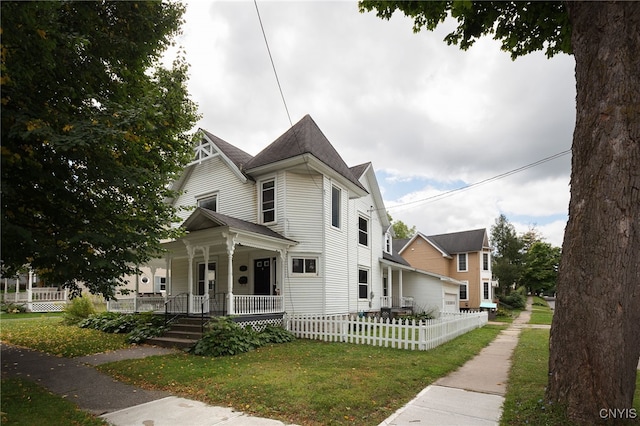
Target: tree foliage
[[521, 26], [93, 129], [507, 254], [540, 270], [401, 229]]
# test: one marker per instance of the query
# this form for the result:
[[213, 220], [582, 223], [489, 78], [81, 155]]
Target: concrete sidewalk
[[472, 395]]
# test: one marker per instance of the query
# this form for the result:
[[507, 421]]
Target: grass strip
[[26, 404], [307, 382], [525, 399]]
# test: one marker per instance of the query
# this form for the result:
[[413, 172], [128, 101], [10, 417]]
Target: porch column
[[231, 247], [16, 294], [167, 288], [400, 285], [6, 290], [390, 284], [30, 287], [190, 252]]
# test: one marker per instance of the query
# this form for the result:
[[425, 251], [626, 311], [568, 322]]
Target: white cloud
[[409, 103]]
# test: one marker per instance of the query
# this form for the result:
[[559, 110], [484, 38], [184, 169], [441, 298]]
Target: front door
[[262, 276]]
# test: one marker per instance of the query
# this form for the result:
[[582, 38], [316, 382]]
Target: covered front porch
[[223, 266]]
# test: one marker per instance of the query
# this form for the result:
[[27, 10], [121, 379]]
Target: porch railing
[[396, 302], [200, 304], [245, 305]]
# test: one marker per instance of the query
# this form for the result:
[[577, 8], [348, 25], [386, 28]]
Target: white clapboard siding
[[392, 333]]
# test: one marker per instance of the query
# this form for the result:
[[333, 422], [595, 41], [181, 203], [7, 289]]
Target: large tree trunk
[[595, 336]]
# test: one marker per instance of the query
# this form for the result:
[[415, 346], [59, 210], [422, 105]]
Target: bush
[[140, 327], [12, 308], [225, 337], [514, 300], [79, 309]]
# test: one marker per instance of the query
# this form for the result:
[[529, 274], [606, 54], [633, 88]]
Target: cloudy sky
[[430, 117]]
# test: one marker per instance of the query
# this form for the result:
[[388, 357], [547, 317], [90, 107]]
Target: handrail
[[176, 302]]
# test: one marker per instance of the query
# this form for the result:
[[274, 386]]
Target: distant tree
[[507, 254], [401, 229], [595, 344], [93, 130], [540, 267]]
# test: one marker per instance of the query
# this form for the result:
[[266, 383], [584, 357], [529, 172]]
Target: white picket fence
[[393, 333]]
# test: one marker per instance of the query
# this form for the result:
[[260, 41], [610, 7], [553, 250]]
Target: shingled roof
[[203, 218], [461, 242], [233, 153], [305, 137]]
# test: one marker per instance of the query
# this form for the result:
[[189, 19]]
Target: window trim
[[367, 283], [466, 287], [486, 256], [388, 243], [261, 209], [360, 231], [486, 290], [209, 196], [336, 216], [466, 262]]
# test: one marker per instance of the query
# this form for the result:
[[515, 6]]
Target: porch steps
[[183, 334]]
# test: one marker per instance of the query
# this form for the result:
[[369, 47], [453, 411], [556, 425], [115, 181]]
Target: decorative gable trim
[[208, 149]]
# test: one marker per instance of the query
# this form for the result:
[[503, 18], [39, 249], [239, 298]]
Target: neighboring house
[[464, 256], [292, 229]]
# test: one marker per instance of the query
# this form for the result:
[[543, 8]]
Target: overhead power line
[[273, 65], [451, 192]]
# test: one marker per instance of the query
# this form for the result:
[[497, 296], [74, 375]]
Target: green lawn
[[540, 314], [307, 382], [46, 333], [26, 404]]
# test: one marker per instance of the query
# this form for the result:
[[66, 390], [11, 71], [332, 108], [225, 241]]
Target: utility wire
[[451, 192], [273, 65]]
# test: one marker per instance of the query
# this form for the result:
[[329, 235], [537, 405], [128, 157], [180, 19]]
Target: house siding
[[337, 253], [235, 198], [421, 254]]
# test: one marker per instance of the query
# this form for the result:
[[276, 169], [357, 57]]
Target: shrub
[[514, 300], [140, 327], [12, 308], [275, 334], [79, 309], [225, 337]]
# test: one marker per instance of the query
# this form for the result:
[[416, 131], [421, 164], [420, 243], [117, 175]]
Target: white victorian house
[[293, 229]]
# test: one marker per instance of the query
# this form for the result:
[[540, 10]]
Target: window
[[304, 265], [462, 262], [485, 289], [363, 283], [485, 261], [268, 201], [160, 284], [206, 277], [209, 202], [335, 206], [363, 231], [464, 295], [387, 242]]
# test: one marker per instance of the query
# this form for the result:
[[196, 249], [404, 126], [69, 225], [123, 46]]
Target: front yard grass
[[540, 312], [307, 382], [25, 404], [46, 333]]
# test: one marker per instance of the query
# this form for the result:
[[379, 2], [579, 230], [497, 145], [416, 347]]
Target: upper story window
[[485, 261], [462, 262], [268, 201], [335, 206], [209, 202], [388, 242], [363, 231]]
